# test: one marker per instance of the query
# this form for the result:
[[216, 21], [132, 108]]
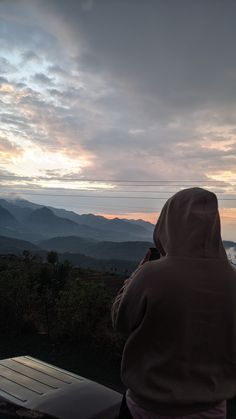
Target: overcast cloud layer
[[122, 90]]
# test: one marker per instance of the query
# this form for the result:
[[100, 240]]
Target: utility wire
[[109, 197], [113, 191], [142, 180]]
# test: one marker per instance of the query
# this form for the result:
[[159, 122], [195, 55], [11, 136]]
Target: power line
[[108, 197], [113, 191], [138, 191], [143, 180], [160, 184]]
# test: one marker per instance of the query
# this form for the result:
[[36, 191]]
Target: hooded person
[[178, 314]]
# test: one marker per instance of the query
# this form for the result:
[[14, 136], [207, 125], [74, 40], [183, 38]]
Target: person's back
[[179, 314]]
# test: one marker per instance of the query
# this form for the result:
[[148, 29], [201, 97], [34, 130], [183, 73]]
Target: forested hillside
[[56, 299]]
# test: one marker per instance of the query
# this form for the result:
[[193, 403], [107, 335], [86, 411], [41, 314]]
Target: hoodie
[[179, 313]]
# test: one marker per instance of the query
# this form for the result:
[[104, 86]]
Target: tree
[[52, 257]]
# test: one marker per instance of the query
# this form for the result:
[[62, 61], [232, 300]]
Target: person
[[179, 316]]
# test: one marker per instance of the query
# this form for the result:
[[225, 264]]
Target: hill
[[104, 256], [128, 250], [15, 246], [120, 267]]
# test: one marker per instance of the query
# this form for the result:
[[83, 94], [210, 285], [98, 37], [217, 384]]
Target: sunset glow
[[89, 110]]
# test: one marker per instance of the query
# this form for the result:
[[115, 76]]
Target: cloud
[[116, 149], [57, 70], [139, 90], [42, 79], [23, 33], [6, 67], [30, 56], [3, 80], [180, 53], [7, 178], [8, 150], [87, 5]]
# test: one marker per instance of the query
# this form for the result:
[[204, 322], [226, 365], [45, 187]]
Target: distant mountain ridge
[[116, 225], [44, 221], [36, 222], [66, 231]]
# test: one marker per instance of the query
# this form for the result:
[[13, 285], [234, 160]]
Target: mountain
[[19, 211], [37, 222], [116, 229], [11, 223], [146, 224], [114, 224], [6, 218], [8, 223], [15, 246], [129, 250], [45, 221]]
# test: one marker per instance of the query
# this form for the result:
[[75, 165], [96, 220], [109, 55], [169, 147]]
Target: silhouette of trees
[[52, 257], [66, 303]]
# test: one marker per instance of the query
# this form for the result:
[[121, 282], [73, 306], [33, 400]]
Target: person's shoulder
[[154, 269], [158, 264]]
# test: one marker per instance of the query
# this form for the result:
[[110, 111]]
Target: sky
[[111, 106]]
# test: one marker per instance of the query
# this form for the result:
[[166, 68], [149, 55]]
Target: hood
[[189, 225]]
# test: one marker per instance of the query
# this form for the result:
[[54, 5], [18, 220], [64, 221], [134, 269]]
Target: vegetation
[[52, 302]]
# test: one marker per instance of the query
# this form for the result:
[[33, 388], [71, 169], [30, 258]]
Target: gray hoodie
[[179, 313]]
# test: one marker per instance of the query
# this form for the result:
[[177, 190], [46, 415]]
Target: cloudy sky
[[111, 106]]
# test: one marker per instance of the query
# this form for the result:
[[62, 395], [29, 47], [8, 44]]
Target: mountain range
[[87, 240], [28, 221]]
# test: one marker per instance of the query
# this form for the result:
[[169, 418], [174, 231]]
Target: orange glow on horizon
[[227, 216], [150, 217]]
